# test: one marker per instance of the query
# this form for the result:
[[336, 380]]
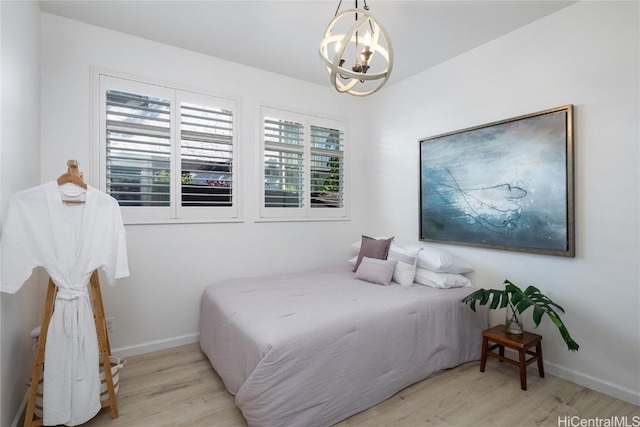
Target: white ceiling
[[283, 36]]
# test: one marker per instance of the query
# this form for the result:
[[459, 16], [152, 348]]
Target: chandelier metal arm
[[365, 7]]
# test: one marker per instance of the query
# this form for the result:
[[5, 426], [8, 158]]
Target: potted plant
[[516, 302]]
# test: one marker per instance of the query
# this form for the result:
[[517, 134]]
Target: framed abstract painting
[[504, 185]]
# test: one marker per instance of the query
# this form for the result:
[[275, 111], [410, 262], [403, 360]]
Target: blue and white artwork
[[505, 185]]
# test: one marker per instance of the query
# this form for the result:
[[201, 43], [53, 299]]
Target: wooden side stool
[[519, 342]]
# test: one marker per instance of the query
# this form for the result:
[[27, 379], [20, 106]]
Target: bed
[[313, 348]]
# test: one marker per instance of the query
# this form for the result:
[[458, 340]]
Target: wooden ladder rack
[[31, 419]]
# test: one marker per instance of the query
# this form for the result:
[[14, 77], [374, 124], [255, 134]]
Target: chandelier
[[357, 52]]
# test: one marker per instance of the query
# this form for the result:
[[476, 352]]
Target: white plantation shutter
[[167, 154], [138, 148], [283, 163], [303, 166], [207, 147], [327, 167]]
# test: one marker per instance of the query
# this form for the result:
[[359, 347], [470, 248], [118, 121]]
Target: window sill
[[294, 219], [165, 221]]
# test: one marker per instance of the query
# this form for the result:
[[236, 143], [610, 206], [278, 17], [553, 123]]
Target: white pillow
[[442, 280], [440, 261], [377, 271], [405, 271]]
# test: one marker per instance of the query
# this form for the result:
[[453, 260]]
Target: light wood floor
[[178, 387]]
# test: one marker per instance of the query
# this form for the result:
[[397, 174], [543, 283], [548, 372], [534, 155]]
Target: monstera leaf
[[521, 301]]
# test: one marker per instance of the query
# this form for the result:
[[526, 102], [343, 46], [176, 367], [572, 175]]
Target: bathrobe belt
[[73, 315]]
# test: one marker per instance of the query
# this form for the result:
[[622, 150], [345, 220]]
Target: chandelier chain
[[338, 9], [366, 7]]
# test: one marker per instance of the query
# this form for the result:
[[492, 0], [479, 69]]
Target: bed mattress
[[315, 347]]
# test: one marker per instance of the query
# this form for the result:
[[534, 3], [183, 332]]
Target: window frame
[[306, 212], [175, 212]]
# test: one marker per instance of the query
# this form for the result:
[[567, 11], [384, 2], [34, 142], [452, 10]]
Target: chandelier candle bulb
[[366, 54]]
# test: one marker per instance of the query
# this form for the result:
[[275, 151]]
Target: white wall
[[586, 55], [158, 305], [20, 168]]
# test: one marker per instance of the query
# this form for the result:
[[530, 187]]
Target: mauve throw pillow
[[372, 248]]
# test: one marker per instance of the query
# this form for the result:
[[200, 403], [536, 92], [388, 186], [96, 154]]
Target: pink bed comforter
[[312, 348]]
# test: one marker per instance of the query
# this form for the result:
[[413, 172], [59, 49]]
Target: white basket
[[116, 365]]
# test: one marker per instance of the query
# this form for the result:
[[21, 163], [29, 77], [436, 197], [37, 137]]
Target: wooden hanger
[[73, 176]]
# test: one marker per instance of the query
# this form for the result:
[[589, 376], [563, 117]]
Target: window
[[167, 154], [303, 168]]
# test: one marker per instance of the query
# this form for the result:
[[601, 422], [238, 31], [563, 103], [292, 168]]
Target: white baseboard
[[23, 405], [585, 380], [126, 352], [149, 347], [597, 384]]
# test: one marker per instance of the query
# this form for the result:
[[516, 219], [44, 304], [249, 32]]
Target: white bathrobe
[[70, 241]]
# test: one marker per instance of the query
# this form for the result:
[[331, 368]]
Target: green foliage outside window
[[162, 177]]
